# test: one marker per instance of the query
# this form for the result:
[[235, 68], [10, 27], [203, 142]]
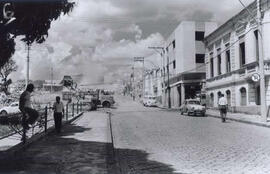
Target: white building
[[232, 56], [185, 57]]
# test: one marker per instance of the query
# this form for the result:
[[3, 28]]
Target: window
[[174, 64], [228, 61], [219, 64], [199, 35], [200, 58], [167, 49], [228, 93], [256, 44], [212, 100], [173, 43], [243, 93], [242, 54], [211, 65]]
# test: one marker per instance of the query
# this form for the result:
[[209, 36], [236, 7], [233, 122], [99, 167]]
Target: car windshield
[[194, 102]]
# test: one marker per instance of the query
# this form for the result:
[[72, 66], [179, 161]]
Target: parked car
[[10, 109], [150, 101], [192, 107]]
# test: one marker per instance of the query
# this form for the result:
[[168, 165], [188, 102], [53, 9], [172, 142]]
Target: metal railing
[[13, 122]]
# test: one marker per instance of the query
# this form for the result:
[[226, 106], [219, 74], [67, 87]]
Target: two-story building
[[232, 54], [185, 58]]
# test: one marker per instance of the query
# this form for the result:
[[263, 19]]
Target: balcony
[[246, 71]]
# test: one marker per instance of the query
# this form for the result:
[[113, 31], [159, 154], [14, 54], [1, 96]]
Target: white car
[[11, 109], [150, 101], [192, 107]]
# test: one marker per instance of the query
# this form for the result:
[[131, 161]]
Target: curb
[[114, 157], [15, 149]]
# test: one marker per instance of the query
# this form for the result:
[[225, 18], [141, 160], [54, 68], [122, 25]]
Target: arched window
[[219, 95], [228, 94], [243, 95], [211, 99]]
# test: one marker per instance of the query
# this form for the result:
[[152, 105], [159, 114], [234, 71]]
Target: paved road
[[151, 140], [84, 147]]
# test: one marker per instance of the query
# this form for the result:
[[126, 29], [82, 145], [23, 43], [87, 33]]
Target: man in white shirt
[[58, 108], [223, 104]]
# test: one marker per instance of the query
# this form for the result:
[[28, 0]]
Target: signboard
[[255, 77]]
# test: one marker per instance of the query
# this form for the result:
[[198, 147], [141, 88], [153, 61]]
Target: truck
[[103, 98]]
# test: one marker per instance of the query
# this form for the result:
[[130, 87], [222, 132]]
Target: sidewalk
[[239, 117], [83, 147]]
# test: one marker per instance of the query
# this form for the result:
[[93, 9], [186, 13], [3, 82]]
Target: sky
[[99, 38]]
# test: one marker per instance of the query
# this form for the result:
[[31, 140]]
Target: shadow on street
[[56, 154]]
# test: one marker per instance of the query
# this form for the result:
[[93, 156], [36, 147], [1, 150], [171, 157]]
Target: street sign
[[255, 77]]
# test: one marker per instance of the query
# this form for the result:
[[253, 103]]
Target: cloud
[[100, 38]]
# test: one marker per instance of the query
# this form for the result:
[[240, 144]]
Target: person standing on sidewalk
[[223, 105], [25, 105], [58, 108]]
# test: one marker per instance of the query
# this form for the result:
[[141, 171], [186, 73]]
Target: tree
[[5, 71], [30, 19]]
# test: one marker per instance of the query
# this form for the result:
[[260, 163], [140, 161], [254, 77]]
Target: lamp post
[[162, 54]]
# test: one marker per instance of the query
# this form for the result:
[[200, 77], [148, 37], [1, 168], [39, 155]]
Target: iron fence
[[12, 123]]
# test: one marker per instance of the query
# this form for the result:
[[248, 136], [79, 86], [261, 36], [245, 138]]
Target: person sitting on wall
[[25, 105]]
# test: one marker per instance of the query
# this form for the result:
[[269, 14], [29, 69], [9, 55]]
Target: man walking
[[58, 108], [222, 104], [25, 106]]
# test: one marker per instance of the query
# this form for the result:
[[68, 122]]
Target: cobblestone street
[[171, 143]]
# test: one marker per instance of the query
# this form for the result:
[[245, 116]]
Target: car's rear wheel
[[181, 111], [3, 112], [106, 104]]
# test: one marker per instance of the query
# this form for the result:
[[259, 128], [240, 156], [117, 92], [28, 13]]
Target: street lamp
[[168, 72]]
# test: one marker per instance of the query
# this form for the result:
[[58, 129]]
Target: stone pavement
[[83, 147]]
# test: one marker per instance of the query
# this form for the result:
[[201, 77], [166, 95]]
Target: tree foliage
[[5, 71], [32, 21]]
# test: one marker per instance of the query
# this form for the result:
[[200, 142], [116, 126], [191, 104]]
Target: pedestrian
[[58, 108], [30, 115], [223, 105]]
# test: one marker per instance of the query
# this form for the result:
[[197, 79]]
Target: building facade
[[184, 61], [232, 54]]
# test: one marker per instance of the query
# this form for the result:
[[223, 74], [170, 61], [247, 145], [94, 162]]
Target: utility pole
[[51, 79], [133, 84], [27, 64], [261, 63], [168, 82]]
